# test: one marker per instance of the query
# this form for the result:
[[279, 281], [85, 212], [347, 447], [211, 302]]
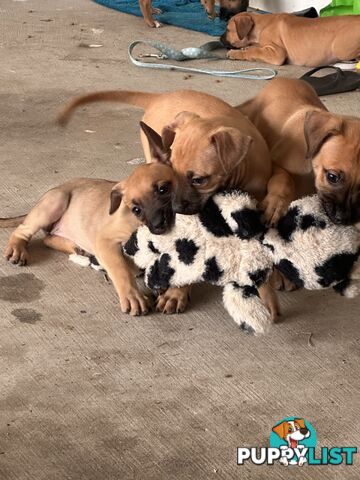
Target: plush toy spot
[[212, 220], [160, 273], [337, 268], [259, 276], [290, 272], [249, 291], [131, 246], [342, 286], [212, 271], [249, 223], [187, 250], [308, 221], [288, 223], [152, 248]]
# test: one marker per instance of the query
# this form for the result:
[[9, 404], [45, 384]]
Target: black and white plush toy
[[227, 245]]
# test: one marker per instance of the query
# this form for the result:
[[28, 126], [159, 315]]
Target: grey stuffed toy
[[227, 245]]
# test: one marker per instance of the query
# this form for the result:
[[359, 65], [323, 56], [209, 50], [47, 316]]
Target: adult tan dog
[[284, 38], [97, 216], [313, 147], [213, 146]]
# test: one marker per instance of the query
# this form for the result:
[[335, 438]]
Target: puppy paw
[[157, 11], [274, 208], [134, 302], [236, 54], [16, 253], [174, 300]]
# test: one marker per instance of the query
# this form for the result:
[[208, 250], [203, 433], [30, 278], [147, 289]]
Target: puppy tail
[[138, 99], [11, 222]]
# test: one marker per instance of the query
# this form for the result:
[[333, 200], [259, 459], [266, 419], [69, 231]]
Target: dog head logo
[[293, 436]]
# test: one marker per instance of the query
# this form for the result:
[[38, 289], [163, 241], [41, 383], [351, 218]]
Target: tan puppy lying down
[[212, 146], [98, 216], [283, 38]]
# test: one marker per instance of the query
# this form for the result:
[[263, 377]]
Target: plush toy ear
[[319, 126], [159, 153], [231, 146], [115, 197], [280, 429], [244, 24], [181, 119]]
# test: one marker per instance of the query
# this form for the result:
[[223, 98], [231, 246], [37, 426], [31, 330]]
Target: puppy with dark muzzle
[[229, 8], [209, 144], [97, 217], [316, 150]]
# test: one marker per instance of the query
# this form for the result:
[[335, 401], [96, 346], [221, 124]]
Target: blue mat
[[187, 14]]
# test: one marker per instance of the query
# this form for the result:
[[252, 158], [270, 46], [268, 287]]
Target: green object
[[341, 7]]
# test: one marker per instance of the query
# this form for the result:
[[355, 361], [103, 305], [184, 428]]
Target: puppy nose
[[304, 431]]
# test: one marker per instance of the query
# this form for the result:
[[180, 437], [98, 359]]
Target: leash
[[192, 53]]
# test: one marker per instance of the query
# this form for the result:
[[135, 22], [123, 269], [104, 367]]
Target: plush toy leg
[[348, 288], [246, 308]]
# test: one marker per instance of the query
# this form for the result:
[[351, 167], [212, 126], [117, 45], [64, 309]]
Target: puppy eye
[[136, 210], [162, 189], [198, 180], [333, 177]]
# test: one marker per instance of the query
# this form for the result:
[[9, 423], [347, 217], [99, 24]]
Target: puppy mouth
[[164, 226], [339, 213], [225, 42]]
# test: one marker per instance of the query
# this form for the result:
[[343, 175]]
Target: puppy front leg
[[173, 300], [209, 6], [280, 193], [268, 54], [147, 12], [109, 255]]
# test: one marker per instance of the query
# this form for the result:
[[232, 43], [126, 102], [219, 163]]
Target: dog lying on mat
[[226, 244], [284, 38]]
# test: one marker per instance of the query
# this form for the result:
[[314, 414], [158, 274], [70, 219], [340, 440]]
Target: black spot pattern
[[160, 273], [247, 290], [308, 221], [336, 269], [211, 218], [342, 286], [152, 248], [291, 272], [187, 250], [212, 271], [131, 246], [249, 223], [259, 276], [247, 328], [288, 223]]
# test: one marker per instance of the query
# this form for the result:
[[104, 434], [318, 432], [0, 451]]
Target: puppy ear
[[115, 197], [181, 119], [280, 429], [157, 150], [231, 147], [319, 126], [244, 24]]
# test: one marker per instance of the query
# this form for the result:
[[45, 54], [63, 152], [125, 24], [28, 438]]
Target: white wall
[[288, 5]]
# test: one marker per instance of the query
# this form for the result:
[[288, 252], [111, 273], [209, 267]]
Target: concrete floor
[[89, 393]]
